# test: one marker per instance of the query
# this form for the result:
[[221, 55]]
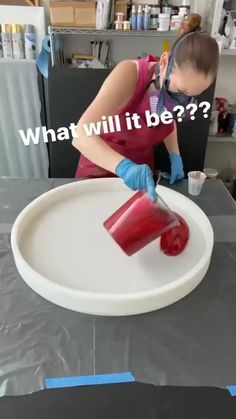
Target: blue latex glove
[[177, 170], [137, 177]]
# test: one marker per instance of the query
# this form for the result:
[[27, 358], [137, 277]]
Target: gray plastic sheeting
[[191, 343]]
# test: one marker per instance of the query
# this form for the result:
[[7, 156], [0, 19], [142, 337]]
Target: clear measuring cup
[[139, 221], [195, 182]]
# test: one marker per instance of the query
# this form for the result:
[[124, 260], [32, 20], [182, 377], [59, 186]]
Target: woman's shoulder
[[136, 63], [125, 71], [122, 85], [124, 77]]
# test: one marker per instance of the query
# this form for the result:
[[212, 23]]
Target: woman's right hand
[[137, 177]]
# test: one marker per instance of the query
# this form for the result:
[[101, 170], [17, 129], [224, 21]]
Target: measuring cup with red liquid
[[139, 221]]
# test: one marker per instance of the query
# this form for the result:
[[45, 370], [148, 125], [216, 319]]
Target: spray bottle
[[133, 17], [6, 41], [1, 52], [234, 130], [17, 41], [140, 18], [30, 42], [146, 21]]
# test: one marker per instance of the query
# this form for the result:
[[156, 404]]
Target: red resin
[[174, 241], [138, 222]]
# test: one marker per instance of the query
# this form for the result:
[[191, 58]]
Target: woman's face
[[185, 80]]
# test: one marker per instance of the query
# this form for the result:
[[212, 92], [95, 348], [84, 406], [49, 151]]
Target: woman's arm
[[115, 92], [171, 142]]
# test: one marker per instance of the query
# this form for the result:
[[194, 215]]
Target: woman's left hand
[[177, 170]]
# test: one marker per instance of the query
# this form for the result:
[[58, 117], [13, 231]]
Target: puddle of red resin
[[174, 241]]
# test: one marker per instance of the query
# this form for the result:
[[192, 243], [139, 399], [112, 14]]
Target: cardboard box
[[121, 7], [80, 14]]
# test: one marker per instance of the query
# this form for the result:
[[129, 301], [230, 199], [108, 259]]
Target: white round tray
[[63, 252]]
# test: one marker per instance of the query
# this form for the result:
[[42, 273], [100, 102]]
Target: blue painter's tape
[[232, 390], [88, 380]]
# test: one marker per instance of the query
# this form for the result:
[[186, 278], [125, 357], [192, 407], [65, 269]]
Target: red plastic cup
[[139, 221]]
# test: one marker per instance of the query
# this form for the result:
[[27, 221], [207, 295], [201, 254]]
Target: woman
[[136, 87]]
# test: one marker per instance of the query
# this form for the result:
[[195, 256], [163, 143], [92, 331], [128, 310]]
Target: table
[[191, 343]]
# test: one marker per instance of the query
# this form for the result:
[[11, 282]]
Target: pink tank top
[[136, 143]]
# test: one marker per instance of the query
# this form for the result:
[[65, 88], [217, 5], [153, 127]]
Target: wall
[[25, 15], [222, 156], [226, 86]]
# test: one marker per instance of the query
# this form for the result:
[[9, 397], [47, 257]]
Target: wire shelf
[[109, 32], [222, 138], [228, 52]]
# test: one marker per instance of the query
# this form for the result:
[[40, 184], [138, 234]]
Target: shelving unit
[[32, 2], [220, 155], [108, 32], [16, 60], [58, 31], [222, 138], [221, 148], [21, 2], [228, 52]]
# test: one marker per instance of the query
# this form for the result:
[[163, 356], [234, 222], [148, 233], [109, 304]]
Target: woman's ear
[[164, 62]]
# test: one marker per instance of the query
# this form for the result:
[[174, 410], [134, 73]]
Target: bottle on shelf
[[214, 126], [118, 25], [140, 18], [30, 42], [126, 25], [184, 9], [175, 10], [146, 20], [166, 7], [7, 41], [119, 17], [176, 21], [17, 41], [163, 22], [234, 130], [167, 10], [223, 120], [233, 42], [164, 3], [1, 52], [133, 17], [129, 9], [154, 13], [232, 119]]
